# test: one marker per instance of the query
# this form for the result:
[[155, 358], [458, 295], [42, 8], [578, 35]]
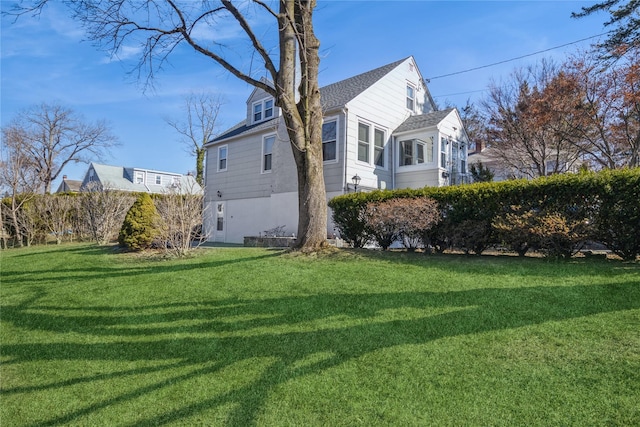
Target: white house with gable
[[381, 130]]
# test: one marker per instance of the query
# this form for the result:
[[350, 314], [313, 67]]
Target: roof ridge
[[375, 70]]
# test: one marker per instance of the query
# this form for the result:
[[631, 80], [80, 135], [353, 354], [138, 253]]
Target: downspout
[[393, 162], [345, 111]]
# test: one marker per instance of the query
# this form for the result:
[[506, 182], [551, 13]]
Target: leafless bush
[[181, 221], [56, 212], [104, 211]]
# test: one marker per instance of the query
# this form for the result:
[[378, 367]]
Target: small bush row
[[170, 221], [554, 215]]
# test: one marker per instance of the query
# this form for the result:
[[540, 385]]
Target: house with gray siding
[[139, 180], [380, 127]]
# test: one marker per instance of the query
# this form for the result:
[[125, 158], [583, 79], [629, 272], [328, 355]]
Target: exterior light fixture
[[356, 180]]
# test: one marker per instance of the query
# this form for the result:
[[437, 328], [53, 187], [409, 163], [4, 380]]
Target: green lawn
[[243, 336]]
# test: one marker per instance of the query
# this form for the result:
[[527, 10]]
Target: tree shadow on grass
[[79, 274], [288, 331]]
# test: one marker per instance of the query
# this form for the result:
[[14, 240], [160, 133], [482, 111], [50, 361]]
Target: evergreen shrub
[[602, 207], [140, 226]]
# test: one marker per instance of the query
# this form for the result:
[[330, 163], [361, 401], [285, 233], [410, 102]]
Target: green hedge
[[609, 201]]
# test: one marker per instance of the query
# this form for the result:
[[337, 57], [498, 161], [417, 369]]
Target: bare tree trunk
[[304, 118], [16, 223]]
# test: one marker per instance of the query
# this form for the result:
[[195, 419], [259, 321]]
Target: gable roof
[[338, 94], [69, 186], [121, 178], [422, 121], [333, 96]]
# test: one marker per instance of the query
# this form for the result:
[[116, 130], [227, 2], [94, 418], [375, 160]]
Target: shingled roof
[[121, 179], [338, 94], [422, 121], [333, 96]]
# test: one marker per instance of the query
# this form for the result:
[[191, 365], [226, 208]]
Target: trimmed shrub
[[617, 220], [514, 229], [139, 228], [557, 237], [349, 216], [382, 223], [406, 219], [474, 217]]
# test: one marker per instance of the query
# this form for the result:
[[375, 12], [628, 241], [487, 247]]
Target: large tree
[[53, 136], [161, 26], [18, 180], [624, 21], [523, 129], [604, 119], [198, 127]]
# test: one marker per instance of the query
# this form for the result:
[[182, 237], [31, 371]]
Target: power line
[[515, 59], [459, 93]]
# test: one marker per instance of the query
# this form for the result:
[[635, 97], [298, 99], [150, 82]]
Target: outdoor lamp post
[[356, 180]]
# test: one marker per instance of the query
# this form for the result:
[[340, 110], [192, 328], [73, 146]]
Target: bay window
[[415, 152]]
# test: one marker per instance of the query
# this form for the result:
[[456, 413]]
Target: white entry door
[[220, 223]]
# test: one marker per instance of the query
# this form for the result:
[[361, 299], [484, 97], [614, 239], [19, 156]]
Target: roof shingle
[[422, 121], [333, 96]]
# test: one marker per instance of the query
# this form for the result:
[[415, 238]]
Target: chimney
[[479, 147], [64, 177]]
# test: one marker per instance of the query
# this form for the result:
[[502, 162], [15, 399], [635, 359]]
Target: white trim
[[226, 158], [263, 110], [264, 138], [329, 120], [406, 98], [385, 143], [369, 143]]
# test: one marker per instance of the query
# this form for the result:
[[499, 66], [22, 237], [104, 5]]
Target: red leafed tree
[[523, 127], [604, 124]]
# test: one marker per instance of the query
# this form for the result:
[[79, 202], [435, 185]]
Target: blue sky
[[46, 60]]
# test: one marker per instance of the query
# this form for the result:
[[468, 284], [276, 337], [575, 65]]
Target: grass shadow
[[286, 330]]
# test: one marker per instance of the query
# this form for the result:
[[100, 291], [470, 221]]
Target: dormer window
[[262, 110]]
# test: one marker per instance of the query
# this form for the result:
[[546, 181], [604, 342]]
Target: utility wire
[[515, 59]]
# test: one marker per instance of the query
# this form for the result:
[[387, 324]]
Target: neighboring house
[[380, 126], [139, 180], [69, 185], [487, 156]]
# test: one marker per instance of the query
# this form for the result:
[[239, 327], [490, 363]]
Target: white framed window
[[257, 112], [263, 110], [411, 97], [267, 152], [139, 177], [158, 179], [220, 217], [268, 109], [330, 140], [222, 158], [444, 142], [378, 147], [363, 142], [415, 152]]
